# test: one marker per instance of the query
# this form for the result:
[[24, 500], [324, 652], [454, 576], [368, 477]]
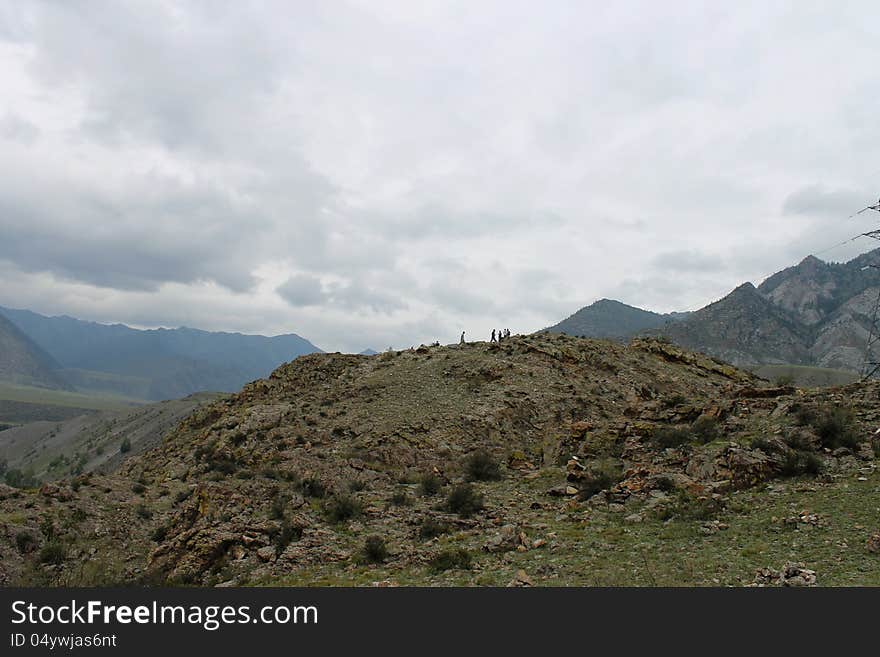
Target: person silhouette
[[492, 339], [462, 338]]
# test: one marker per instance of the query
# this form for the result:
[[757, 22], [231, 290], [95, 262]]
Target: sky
[[387, 173]]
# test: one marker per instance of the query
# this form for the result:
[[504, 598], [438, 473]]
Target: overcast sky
[[369, 174]]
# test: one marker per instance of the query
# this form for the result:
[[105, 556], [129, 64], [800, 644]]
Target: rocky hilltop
[[541, 460]]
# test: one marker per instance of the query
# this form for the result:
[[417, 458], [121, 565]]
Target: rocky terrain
[[543, 460]]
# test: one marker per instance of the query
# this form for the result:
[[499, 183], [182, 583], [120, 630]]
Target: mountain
[[154, 364], [543, 460], [369, 352], [814, 314], [607, 318], [23, 362], [744, 328]]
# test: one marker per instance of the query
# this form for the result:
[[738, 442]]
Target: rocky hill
[[607, 318], [153, 364], [541, 460], [23, 362]]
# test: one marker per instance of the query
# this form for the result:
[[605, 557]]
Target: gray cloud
[[400, 171]]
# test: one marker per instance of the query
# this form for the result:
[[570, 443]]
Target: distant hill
[[23, 362], [607, 318], [368, 352], [153, 364]]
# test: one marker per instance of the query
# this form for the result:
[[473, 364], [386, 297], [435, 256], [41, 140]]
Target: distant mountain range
[[67, 353], [815, 313]]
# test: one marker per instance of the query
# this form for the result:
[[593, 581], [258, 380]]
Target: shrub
[[482, 466], [690, 507], [342, 508], [598, 478], [357, 485], [143, 512], [671, 437], [705, 430], [464, 500], [159, 534], [431, 528], [430, 484], [276, 509], [374, 550], [400, 498], [125, 446], [675, 400], [53, 552], [313, 487], [664, 483], [287, 534], [796, 463], [138, 488], [25, 541], [836, 428], [451, 559]]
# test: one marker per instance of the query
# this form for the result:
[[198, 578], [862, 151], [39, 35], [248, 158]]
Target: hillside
[[591, 462], [97, 440], [607, 318], [154, 364], [23, 362]]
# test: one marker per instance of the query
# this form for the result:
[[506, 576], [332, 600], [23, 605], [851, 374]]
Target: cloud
[[386, 174]]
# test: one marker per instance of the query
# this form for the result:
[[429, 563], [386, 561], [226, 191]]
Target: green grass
[[46, 397]]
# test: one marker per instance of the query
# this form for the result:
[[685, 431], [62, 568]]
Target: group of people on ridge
[[497, 336]]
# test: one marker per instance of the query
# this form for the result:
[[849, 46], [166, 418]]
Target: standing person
[[462, 338], [493, 336], [506, 333]]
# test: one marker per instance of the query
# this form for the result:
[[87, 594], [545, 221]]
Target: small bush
[[464, 500], [343, 507], [690, 507], [138, 488], [53, 552], [705, 430], [836, 428], [482, 466], [287, 534], [159, 534], [598, 478], [276, 509], [674, 400], [430, 484], [143, 512], [125, 446], [671, 437], [451, 559], [400, 498], [25, 542], [357, 485], [431, 528], [664, 483], [374, 550], [796, 463], [313, 487]]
